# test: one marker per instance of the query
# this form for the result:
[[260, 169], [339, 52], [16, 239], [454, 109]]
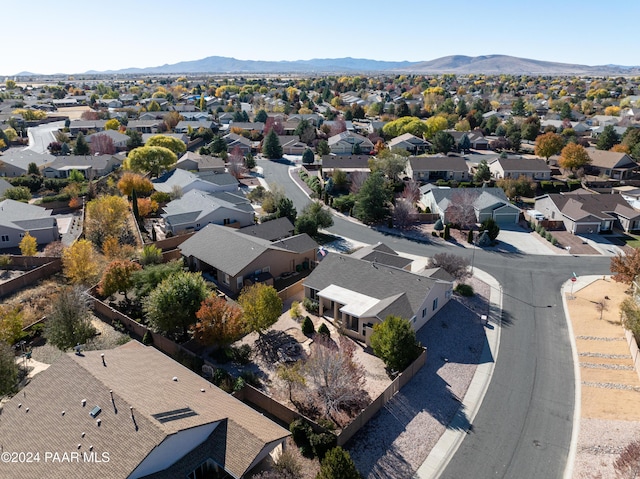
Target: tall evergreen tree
[[82, 147], [271, 148]]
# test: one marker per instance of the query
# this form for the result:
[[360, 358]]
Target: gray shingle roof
[[438, 163], [270, 230]]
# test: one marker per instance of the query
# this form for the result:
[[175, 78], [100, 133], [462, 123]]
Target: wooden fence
[[173, 242], [633, 349], [292, 290]]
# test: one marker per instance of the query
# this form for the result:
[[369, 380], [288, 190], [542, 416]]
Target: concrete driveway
[[515, 239]]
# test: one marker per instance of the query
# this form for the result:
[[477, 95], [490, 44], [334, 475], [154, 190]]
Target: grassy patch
[[631, 240]]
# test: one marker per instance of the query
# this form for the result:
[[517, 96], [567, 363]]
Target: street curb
[[582, 282], [450, 441]]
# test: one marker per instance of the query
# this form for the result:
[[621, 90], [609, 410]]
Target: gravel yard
[[396, 441]]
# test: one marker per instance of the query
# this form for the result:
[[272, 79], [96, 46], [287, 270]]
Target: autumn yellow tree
[[133, 181], [573, 156], [219, 322], [106, 216], [28, 245], [168, 142], [627, 267], [154, 159], [118, 278], [548, 145], [80, 263], [112, 124]]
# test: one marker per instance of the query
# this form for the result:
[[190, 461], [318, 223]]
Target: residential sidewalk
[[450, 441]]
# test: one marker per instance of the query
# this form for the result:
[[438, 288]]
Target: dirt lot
[[610, 387], [73, 112]]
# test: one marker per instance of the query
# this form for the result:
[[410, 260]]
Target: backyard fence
[[45, 267], [633, 349]]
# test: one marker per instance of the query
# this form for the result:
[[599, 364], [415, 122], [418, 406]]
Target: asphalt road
[[523, 428]]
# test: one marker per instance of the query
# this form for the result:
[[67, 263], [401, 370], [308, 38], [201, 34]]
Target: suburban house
[[184, 125], [196, 209], [410, 143], [191, 161], [584, 212], [380, 253], [347, 163], [84, 126], [234, 141], [533, 168], [15, 161], [234, 260], [119, 140], [145, 126], [596, 131], [178, 136], [133, 412], [90, 166], [477, 139], [186, 181], [426, 169], [487, 202], [4, 186], [247, 126], [345, 142], [291, 145], [354, 294], [617, 166], [16, 218]]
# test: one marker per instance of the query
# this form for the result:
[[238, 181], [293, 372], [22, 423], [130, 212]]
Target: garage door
[[506, 218]]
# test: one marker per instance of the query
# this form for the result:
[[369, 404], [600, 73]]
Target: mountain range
[[457, 64]]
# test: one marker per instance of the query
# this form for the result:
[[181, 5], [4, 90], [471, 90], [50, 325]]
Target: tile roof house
[[356, 293], [191, 161], [426, 169], [584, 212], [196, 209], [15, 161], [343, 143], [132, 412], [204, 181], [487, 202], [533, 168], [234, 260], [16, 218], [410, 143]]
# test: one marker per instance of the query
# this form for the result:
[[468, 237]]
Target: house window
[[435, 304], [239, 282], [226, 278], [266, 269], [226, 221], [424, 312], [198, 225], [5, 238]]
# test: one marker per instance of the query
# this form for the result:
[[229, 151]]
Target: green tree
[[33, 169], [549, 144], [28, 245], [218, 145], [565, 111], [261, 306], [312, 218], [573, 156], [76, 177], [394, 341], [483, 173], [174, 144], [146, 280], [81, 147], [118, 278], [464, 144], [261, 116], [337, 464], [323, 148], [306, 131], [443, 142], [154, 159], [8, 370], [112, 124], [491, 227], [308, 157], [518, 107], [171, 307], [69, 322], [372, 201], [285, 209], [151, 254], [608, 138], [11, 318], [135, 139], [271, 148]]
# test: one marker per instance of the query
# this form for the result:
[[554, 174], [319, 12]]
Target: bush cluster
[[310, 443], [311, 305]]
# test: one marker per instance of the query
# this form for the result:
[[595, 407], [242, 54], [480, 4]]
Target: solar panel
[[174, 415]]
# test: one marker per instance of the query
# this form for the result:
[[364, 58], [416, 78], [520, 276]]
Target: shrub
[[251, 378], [464, 290], [147, 339], [542, 232], [223, 380], [160, 197], [554, 241], [310, 305], [433, 233], [295, 310], [344, 203], [546, 185], [322, 443], [239, 384], [241, 354], [548, 236], [438, 226], [447, 232], [307, 326], [323, 329], [470, 236], [288, 466], [300, 432]]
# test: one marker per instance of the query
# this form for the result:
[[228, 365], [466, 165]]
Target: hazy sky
[[72, 37]]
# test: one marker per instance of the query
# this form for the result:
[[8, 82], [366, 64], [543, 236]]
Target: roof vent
[[175, 378], [83, 434], [95, 411], [63, 413], [84, 402], [98, 422], [19, 405], [79, 446]]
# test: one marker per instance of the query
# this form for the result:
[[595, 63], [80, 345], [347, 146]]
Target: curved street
[[524, 426]]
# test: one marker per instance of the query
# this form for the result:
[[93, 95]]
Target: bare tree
[[601, 306], [357, 180], [461, 210], [335, 377], [411, 191], [338, 127], [102, 145], [236, 164], [403, 211], [455, 265]]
